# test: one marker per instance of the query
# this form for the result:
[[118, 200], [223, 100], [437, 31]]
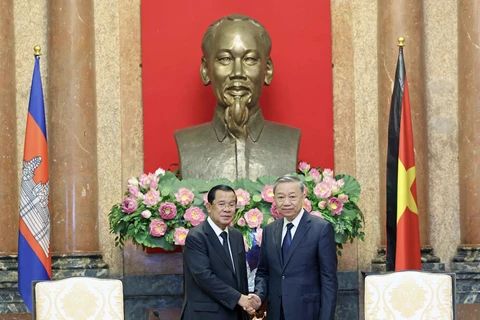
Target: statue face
[[238, 66]]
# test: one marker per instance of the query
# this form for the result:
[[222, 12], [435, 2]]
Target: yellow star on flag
[[404, 194]]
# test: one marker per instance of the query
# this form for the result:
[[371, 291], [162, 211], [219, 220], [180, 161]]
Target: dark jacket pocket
[[205, 306], [311, 297]]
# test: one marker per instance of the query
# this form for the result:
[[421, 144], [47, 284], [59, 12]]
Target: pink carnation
[[129, 205], [167, 210], [184, 196], [243, 197], [304, 166], [151, 198], [315, 174], [322, 190], [316, 213], [335, 205], [274, 211], [267, 194], [254, 218], [180, 235], [157, 227], [241, 222], [258, 236], [307, 205], [195, 215], [148, 180]]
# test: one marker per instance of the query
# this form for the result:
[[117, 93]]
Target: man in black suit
[[215, 265], [297, 271]]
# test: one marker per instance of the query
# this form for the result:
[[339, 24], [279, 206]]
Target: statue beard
[[236, 116]]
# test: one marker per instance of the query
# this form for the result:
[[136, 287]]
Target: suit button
[[283, 277]]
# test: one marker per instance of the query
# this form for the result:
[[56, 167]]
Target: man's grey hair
[[289, 178], [207, 41]]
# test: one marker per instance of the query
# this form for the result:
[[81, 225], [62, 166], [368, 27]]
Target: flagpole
[[37, 51], [401, 42]]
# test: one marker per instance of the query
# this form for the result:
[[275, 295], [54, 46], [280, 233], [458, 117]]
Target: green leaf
[[351, 187], [340, 238]]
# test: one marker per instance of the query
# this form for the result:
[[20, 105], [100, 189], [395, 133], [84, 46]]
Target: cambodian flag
[[34, 258]]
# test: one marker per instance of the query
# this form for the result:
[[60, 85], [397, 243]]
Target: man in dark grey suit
[[297, 271], [215, 264]]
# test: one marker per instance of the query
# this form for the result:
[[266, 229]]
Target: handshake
[[250, 303]]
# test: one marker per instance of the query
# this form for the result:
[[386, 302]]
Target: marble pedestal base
[[63, 266], [430, 262], [466, 264]]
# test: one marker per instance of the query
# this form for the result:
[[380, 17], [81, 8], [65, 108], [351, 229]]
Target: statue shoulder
[[282, 131], [194, 132]]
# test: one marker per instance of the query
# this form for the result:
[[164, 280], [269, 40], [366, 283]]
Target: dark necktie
[[225, 246], [287, 241]]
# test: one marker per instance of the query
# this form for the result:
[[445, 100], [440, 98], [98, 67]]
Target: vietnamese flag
[[403, 235]]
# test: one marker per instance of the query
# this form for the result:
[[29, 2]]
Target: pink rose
[[322, 190], [307, 205], [167, 210], [180, 235], [267, 194], [304, 166], [146, 180], [184, 196], [243, 197], [258, 236], [157, 227], [315, 174], [151, 198], [274, 211], [316, 213], [335, 205], [195, 215], [241, 222], [254, 218], [129, 205], [146, 214]]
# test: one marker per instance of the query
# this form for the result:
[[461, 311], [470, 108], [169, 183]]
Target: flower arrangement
[[159, 208]]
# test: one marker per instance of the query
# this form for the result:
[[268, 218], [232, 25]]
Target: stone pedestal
[[466, 264], [430, 262]]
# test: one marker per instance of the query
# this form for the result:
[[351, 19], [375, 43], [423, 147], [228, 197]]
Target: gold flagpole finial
[[401, 42], [37, 50]]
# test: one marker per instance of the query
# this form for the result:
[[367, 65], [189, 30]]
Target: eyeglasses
[[222, 206]]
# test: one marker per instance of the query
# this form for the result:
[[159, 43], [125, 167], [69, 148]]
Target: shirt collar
[[216, 228], [295, 221], [255, 124]]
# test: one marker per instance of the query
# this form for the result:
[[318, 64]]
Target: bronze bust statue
[[238, 142]]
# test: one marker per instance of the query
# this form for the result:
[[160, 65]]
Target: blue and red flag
[[34, 257]]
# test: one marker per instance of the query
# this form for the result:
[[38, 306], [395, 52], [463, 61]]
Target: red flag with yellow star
[[403, 235]]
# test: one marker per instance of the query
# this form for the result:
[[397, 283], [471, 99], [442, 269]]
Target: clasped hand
[[250, 303]]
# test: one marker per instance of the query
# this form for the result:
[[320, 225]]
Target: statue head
[[236, 61]]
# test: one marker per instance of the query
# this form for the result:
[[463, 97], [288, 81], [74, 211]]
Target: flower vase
[[161, 250]]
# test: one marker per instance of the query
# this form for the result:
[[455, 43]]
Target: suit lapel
[[277, 237], [234, 242], [215, 242], [302, 229]]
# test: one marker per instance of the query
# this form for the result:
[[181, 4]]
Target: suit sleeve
[[198, 262], [327, 259], [262, 275]]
